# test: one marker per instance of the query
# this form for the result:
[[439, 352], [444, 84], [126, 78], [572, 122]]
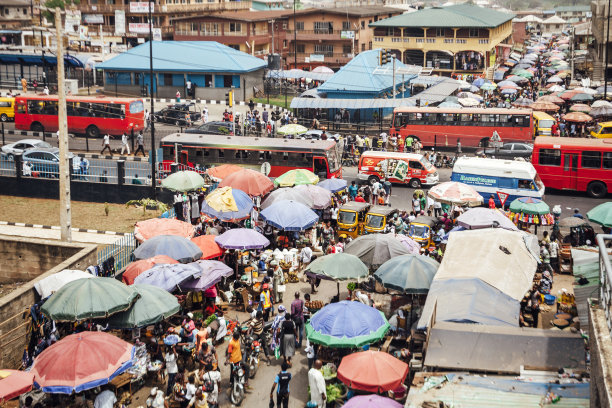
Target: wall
[[600, 345], [13, 325], [519, 32]]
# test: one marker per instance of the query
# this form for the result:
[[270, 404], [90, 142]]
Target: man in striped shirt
[[257, 327]]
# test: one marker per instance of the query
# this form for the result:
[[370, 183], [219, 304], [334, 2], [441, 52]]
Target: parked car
[[175, 114], [212, 128], [22, 145], [508, 150], [315, 134], [44, 160]]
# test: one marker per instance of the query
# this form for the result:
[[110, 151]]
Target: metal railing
[[7, 167], [121, 250], [605, 278]]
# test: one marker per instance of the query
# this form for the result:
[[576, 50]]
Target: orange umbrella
[[372, 371], [137, 267], [544, 106], [551, 98], [162, 226], [577, 117], [580, 107], [210, 249], [250, 181], [222, 171]]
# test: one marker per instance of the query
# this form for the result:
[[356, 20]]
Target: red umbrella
[[222, 171], [250, 181], [372, 371], [210, 249], [81, 361], [136, 268], [544, 106], [162, 226], [577, 117], [13, 383]]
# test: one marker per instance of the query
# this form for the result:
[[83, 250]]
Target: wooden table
[[121, 381]]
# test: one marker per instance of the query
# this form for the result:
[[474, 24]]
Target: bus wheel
[[372, 180], [484, 143], [414, 183], [93, 131], [37, 127], [3, 117], [597, 189]]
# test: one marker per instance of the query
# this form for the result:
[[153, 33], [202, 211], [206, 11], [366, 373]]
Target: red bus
[[579, 164], [439, 127], [268, 155], [86, 115]]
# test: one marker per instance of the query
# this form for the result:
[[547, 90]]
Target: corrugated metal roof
[[184, 56], [299, 73], [455, 16], [325, 103], [436, 93]]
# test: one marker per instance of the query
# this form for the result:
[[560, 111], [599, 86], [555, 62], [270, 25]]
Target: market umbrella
[[455, 193], [572, 222], [509, 91], [488, 87], [602, 214], [372, 371], [321, 197], [51, 284], [296, 177], [554, 79], [517, 78], [507, 83], [13, 383], [212, 273], [208, 245], [333, 184], [478, 82], [468, 102], [183, 181], [338, 266], [81, 361], [601, 111], [482, 217], [551, 98], [376, 249], [242, 238], [222, 171], [137, 267], [289, 216], [168, 277], [346, 324], [250, 181], [89, 299], [178, 248], [162, 226], [523, 73], [577, 117], [523, 102], [287, 193], [589, 91], [227, 204], [413, 246], [600, 90], [409, 274], [580, 107], [292, 129], [544, 106], [568, 94], [601, 103], [153, 305], [529, 205], [323, 69], [372, 400], [556, 88], [580, 97], [448, 104]]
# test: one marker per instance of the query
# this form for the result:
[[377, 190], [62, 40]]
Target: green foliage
[[52, 4], [351, 286], [147, 202]]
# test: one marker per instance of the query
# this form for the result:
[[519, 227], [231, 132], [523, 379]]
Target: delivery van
[[542, 124], [7, 109], [408, 168], [506, 180], [602, 131]]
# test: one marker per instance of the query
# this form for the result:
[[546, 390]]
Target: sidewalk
[[54, 233]]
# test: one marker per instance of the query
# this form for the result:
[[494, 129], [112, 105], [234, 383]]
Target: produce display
[[314, 304]]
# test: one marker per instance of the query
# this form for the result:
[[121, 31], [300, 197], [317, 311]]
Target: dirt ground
[[84, 214]]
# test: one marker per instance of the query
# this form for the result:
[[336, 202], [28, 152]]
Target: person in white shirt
[[105, 144], [190, 388], [46, 91], [213, 376], [553, 249], [305, 256], [171, 367], [205, 114], [105, 399], [316, 382], [124, 144]]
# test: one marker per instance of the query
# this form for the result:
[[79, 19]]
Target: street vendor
[[187, 328], [278, 280]]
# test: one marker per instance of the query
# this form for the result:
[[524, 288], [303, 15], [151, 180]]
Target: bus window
[[485, 117], [549, 157], [50, 108], [525, 185], [607, 160], [591, 160], [285, 156], [320, 167], [35, 107], [466, 117], [135, 107], [21, 108], [221, 153]]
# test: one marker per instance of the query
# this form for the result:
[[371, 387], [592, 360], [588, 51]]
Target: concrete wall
[[600, 345], [14, 326]]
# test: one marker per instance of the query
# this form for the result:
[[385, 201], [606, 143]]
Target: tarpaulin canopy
[[299, 73]]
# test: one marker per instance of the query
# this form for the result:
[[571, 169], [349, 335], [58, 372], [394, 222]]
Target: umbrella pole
[[411, 309], [338, 286]]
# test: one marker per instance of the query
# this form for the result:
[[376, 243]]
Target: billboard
[[93, 18], [347, 35], [73, 21], [141, 7], [119, 22], [140, 28]]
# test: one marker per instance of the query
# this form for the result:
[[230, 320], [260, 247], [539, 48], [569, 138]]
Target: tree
[[52, 4]]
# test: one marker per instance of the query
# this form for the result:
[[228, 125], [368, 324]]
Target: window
[[591, 160], [473, 32], [323, 27], [6, 104], [168, 79], [607, 160], [325, 49], [363, 25], [439, 32], [221, 153], [549, 157], [526, 185], [235, 27], [284, 43], [301, 48], [299, 26], [413, 164], [363, 47], [347, 49], [346, 25]]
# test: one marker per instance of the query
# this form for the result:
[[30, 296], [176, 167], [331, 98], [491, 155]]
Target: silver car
[[22, 145], [44, 161]]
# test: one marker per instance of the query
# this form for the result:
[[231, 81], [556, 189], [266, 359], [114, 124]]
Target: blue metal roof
[[37, 59], [358, 76], [184, 56]]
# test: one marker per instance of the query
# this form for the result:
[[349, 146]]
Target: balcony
[[328, 58], [323, 34], [433, 43], [168, 8]]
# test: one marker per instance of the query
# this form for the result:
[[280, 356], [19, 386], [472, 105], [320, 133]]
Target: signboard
[[141, 7], [73, 21], [140, 28], [83, 32], [502, 198], [119, 22], [317, 58], [477, 180], [157, 34], [347, 35], [93, 18]]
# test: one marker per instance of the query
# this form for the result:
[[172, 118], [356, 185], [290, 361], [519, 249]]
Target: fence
[[121, 250]]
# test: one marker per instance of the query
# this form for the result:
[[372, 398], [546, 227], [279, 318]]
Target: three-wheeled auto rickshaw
[[351, 217], [422, 230], [378, 217]]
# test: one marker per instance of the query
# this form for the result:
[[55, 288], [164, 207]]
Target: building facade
[[454, 40], [574, 14], [600, 24]]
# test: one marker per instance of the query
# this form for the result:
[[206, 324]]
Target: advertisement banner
[[93, 18], [317, 58], [348, 35], [141, 7], [157, 34], [119, 22], [83, 32], [140, 28], [73, 21]]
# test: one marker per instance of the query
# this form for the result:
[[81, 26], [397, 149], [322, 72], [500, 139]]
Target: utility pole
[[606, 60], [393, 70], [151, 118], [64, 169], [295, 41], [572, 53]]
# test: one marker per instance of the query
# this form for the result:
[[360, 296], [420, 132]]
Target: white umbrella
[[598, 104], [587, 91], [51, 284], [468, 102], [556, 88], [554, 78]]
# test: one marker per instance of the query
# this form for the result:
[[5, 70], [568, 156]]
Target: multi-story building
[[574, 14], [600, 24], [331, 36], [458, 39], [14, 14], [553, 25]]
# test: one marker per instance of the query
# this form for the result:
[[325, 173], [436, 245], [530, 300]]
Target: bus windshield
[[546, 123], [347, 217], [538, 182], [332, 160], [400, 119], [375, 221], [136, 107], [426, 163], [421, 231]]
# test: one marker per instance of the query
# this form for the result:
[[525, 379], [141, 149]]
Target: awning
[[298, 73], [324, 103], [33, 59], [436, 93]]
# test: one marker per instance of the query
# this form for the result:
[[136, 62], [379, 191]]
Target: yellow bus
[[7, 109], [542, 124]]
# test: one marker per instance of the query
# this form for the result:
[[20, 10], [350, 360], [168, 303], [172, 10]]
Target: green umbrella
[[338, 266], [524, 73], [89, 299], [295, 178], [410, 274], [529, 205], [154, 305], [602, 214], [488, 87], [183, 181], [292, 129]]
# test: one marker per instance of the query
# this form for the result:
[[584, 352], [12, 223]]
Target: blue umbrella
[[212, 273], [478, 82], [289, 215], [410, 274], [178, 248], [227, 204], [333, 184], [168, 277]]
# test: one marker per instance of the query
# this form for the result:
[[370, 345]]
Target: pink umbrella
[[162, 226], [455, 193], [409, 243], [13, 383], [323, 69]]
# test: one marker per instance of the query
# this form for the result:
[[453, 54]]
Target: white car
[[20, 146]]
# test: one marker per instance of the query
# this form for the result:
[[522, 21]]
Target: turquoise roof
[[358, 76], [184, 56], [455, 16]]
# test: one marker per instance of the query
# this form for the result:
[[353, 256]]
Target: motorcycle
[[252, 348], [237, 381]]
